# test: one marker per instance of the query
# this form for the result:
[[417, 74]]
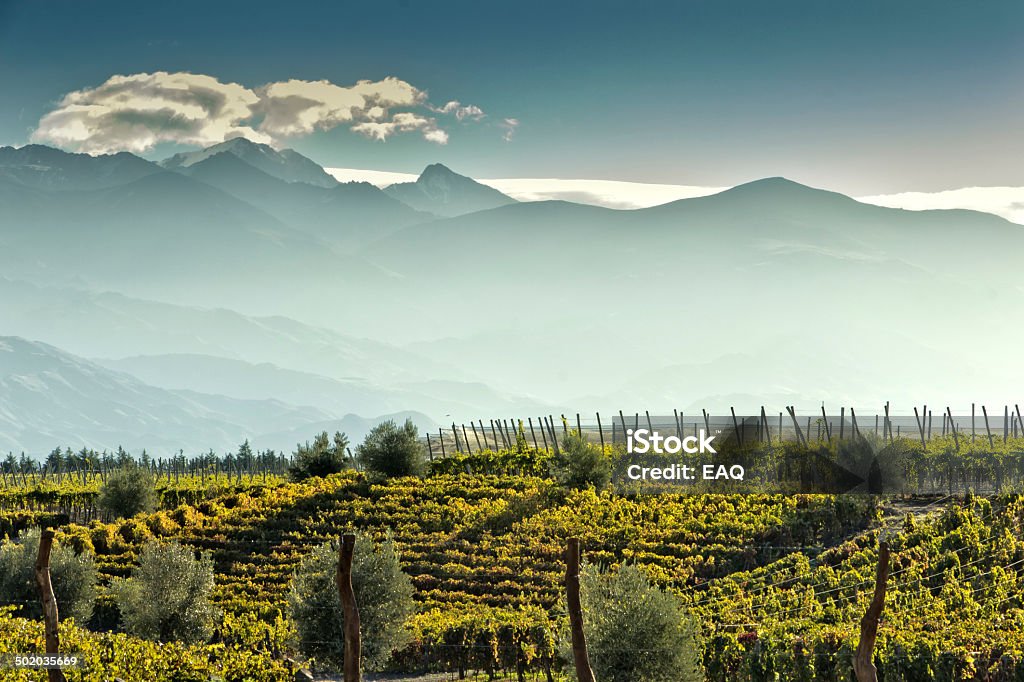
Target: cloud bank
[[136, 112], [1007, 202]]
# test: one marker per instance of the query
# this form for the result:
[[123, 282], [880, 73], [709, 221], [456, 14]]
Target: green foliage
[[169, 595], [636, 631], [127, 492], [383, 594], [391, 451], [321, 458], [73, 578], [580, 464]]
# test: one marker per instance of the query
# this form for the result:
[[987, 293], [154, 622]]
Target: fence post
[[580, 658], [343, 579], [50, 616], [600, 429], [862, 659], [988, 431]]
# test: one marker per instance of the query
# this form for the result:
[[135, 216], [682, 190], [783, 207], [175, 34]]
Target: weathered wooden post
[[581, 659], [988, 430], [343, 579], [863, 666], [920, 427], [50, 616], [600, 429]]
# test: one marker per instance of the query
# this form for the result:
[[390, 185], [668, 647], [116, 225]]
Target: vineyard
[[778, 583]]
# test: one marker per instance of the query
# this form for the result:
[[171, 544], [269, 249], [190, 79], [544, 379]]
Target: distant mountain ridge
[[284, 164], [46, 168], [441, 191], [49, 398]]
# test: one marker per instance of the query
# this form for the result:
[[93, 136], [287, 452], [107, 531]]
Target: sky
[[866, 98]]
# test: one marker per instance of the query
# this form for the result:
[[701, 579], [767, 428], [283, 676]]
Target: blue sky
[[865, 97]]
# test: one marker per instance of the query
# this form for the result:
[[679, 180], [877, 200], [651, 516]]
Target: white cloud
[[510, 125], [138, 111], [460, 111], [1007, 202]]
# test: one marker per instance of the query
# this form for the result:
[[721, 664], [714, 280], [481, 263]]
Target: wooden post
[[465, 436], [440, 436], [796, 425], [579, 426], [543, 431], [533, 433], [952, 427], [455, 435], [767, 431], [828, 429], [1006, 423], [842, 422], [476, 436], [430, 447], [649, 426], [707, 421], [50, 616], [600, 429], [580, 658], [736, 426], [863, 666], [679, 429], [920, 427], [988, 431], [343, 579]]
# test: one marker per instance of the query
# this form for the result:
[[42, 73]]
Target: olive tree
[[637, 632], [383, 594], [169, 596], [73, 577], [127, 492], [392, 450]]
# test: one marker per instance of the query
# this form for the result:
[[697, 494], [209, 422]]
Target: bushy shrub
[[624, 613], [169, 595], [321, 458], [390, 450], [580, 464], [383, 595], [128, 491], [73, 577]]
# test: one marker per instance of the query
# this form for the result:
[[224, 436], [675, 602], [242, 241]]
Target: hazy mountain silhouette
[[284, 164], [51, 398], [345, 215], [441, 191], [551, 300], [43, 167]]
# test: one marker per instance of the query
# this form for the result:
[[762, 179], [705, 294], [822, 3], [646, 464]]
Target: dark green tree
[[580, 464], [321, 458], [390, 450], [127, 492]]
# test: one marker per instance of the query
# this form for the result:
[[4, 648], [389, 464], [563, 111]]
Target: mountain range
[[250, 274]]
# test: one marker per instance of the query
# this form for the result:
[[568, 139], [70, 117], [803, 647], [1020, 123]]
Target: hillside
[[763, 574], [53, 399]]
